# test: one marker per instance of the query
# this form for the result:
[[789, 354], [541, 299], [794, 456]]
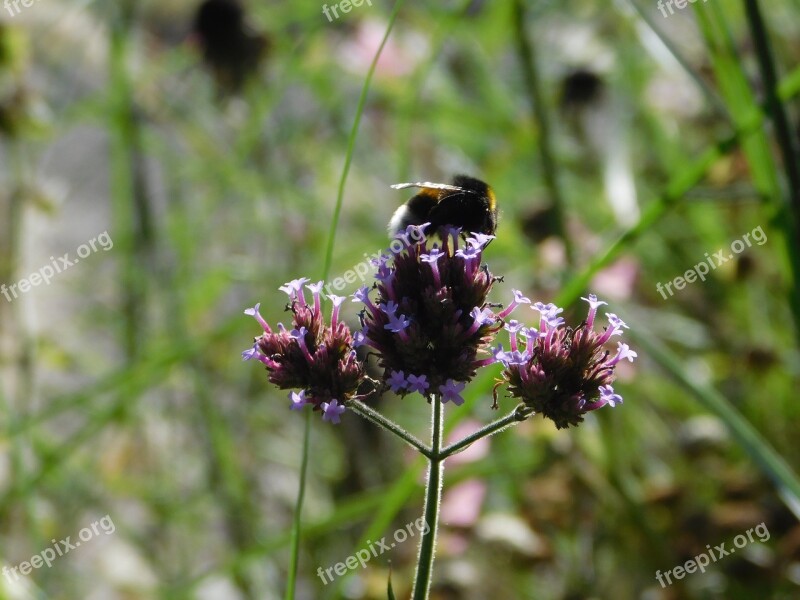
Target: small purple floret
[[331, 411]]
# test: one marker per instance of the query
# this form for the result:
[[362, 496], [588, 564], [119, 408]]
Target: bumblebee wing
[[428, 185]]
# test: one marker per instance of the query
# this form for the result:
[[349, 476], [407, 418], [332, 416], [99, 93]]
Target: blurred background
[[626, 143]]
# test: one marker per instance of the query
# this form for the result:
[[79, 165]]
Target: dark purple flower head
[[564, 373], [314, 357], [430, 317]]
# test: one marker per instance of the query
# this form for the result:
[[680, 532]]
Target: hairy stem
[[433, 498], [520, 414], [378, 419]]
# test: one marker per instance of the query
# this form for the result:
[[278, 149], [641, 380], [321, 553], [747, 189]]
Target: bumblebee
[[467, 203]]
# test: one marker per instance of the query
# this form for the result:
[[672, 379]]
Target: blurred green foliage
[[122, 388]]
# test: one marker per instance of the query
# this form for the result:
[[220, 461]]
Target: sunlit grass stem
[[351, 143]]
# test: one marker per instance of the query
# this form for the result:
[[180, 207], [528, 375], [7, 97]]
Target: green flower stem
[[378, 419], [520, 414], [433, 498], [351, 144], [436, 456], [297, 521], [433, 486]]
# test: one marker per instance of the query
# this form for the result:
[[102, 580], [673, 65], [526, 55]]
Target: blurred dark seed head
[[538, 224], [760, 359], [745, 265], [580, 88], [217, 20], [230, 48]]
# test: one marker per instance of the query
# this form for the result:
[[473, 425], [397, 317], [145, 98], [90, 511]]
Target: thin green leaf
[[747, 436]]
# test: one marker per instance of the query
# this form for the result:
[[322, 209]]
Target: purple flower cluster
[[428, 327], [316, 358], [561, 372], [430, 318]]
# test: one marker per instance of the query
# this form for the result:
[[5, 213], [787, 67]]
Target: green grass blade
[[351, 142], [747, 436]]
